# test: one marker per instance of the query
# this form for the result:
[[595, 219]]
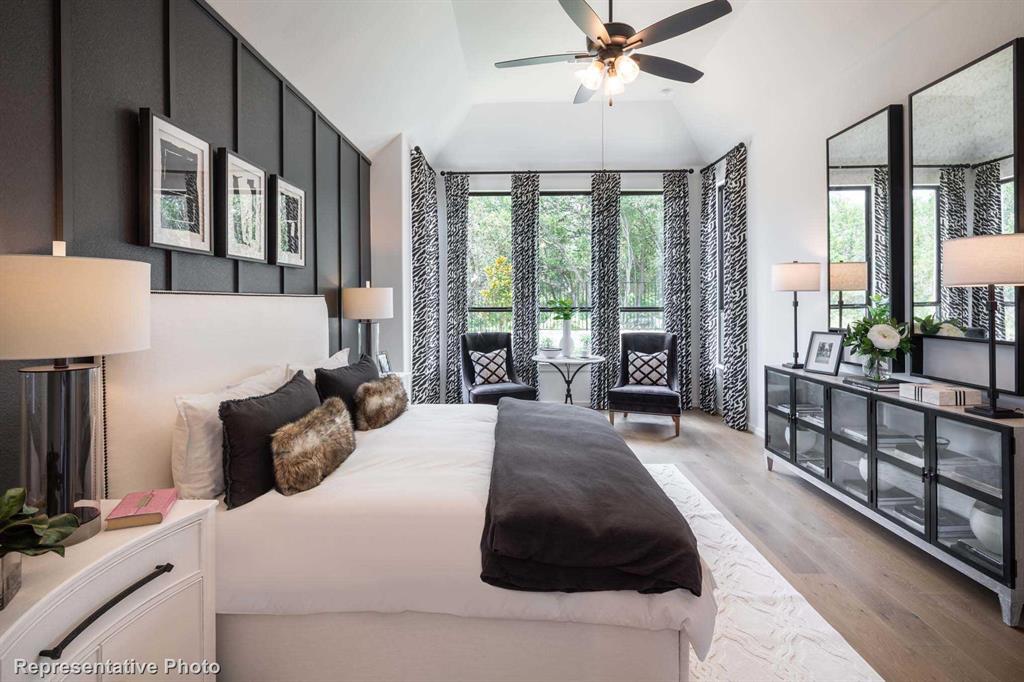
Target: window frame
[[868, 191], [914, 303]]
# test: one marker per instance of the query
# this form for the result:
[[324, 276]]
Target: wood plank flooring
[[910, 616]]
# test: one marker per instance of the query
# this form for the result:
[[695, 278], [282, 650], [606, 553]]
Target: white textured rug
[[766, 630]]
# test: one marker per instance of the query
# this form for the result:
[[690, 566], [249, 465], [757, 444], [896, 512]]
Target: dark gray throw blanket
[[571, 509]]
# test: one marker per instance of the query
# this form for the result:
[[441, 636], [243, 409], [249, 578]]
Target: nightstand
[[144, 594]]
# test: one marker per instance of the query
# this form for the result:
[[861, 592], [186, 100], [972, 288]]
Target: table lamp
[[852, 276], [67, 309], [367, 304], [986, 261], [796, 277]]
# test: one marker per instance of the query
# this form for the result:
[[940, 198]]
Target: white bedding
[[397, 528]]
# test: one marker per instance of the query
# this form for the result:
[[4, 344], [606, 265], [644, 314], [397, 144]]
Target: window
[[925, 205], [641, 246], [849, 224], [489, 262], [563, 264], [1006, 202]]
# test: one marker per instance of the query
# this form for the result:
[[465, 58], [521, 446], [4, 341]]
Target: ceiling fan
[[611, 48]]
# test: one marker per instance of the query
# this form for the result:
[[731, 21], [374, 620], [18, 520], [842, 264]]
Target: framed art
[[287, 223], [241, 208], [174, 186], [824, 353], [383, 363]]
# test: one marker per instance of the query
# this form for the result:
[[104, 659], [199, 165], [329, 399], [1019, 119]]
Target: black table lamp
[[796, 277], [986, 261]]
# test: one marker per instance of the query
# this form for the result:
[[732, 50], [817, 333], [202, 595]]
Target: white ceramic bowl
[[549, 353], [987, 526]]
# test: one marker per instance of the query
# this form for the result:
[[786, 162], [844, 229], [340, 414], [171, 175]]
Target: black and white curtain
[[734, 264], [456, 192], [676, 272], [880, 251], [953, 301], [426, 314], [708, 290], [604, 284], [525, 244], [988, 219]]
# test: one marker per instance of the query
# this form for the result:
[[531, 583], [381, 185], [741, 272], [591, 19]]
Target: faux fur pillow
[[309, 449], [380, 402]]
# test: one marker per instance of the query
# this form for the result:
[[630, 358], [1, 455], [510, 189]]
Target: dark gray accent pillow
[[249, 424], [343, 382]]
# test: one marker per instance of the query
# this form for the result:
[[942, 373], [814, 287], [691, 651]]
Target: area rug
[[766, 630]]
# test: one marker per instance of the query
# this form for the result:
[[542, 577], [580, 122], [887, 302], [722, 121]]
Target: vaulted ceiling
[[425, 68]]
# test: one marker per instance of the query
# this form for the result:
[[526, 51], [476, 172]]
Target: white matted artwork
[[175, 168], [287, 223], [824, 352], [242, 208]]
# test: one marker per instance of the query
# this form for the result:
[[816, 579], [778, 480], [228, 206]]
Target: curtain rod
[[963, 165], [566, 172], [861, 167]]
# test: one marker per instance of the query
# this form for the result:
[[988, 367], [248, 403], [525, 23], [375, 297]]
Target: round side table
[[568, 368]]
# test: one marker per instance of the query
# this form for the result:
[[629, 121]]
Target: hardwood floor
[[910, 616]]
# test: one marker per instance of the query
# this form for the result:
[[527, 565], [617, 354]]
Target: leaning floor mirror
[[865, 216], [964, 135]]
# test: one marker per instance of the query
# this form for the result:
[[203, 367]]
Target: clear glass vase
[[10, 577], [877, 368]]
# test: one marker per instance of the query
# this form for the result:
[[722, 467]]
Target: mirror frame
[[917, 352], [897, 219]]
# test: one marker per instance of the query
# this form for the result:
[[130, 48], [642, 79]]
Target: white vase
[[567, 338], [987, 526]]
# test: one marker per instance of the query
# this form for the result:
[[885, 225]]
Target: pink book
[[142, 508]]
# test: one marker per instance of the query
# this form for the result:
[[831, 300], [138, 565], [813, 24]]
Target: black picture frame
[[383, 362], [276, 185], [149, 126], [835, 357], [222, 210]]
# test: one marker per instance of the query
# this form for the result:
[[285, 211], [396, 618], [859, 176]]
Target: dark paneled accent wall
[[73, 75]]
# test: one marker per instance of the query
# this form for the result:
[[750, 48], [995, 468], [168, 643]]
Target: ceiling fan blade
[[681, 23], [583, 95], [544, 59], [584, 16], [667, 68]]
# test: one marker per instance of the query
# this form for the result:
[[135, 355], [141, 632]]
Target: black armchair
[[627, 397], [490, 394]]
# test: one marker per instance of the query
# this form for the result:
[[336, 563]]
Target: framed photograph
[[287, 223], [824, 352], [241, 208], [383, 363], [174, 186]]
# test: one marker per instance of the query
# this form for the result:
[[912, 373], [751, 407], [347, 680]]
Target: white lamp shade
[[796, 276], [367, 303], [979, 261], [54, 307], [848, 276]]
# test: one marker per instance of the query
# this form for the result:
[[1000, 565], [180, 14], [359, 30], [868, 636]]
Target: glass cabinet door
[[776, 434], [810, 403], [899, 433], [900, 494], [810, 449], [777, 391], [970, 455], [850, 416], [972, 529], [850, 470]]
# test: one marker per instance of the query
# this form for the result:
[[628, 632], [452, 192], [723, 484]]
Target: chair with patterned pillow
[[488, 373], [648, 377]]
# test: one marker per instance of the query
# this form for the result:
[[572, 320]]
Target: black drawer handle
[[56, 651]]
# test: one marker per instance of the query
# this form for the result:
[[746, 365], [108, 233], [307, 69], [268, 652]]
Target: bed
[[375, 574]]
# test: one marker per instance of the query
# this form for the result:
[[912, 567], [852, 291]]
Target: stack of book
[[887, 386]]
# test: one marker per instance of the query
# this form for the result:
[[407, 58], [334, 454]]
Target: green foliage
[[925, 234], [877, 313], [498, 290], [563, 308], [847, 227], [26, 530], [930, 326]]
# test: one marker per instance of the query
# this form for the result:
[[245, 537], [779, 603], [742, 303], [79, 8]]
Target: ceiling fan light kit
[[611, 48]]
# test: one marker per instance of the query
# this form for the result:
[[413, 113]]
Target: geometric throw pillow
[[489, 368], [307, 450], [648, 369]]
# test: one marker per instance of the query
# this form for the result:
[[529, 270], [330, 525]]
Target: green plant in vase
[[24, 530], [930, 326], [878, 338], [563, 309]]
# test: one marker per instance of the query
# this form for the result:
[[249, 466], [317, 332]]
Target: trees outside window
[[849, 224], [925, 204]]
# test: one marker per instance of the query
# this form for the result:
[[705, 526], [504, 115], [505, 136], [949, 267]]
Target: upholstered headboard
[[200, 343]]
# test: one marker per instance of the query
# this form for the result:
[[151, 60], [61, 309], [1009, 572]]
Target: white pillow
[[197, 459], [339, 359]]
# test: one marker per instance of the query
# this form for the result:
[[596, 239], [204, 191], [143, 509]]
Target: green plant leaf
[[12, 503]]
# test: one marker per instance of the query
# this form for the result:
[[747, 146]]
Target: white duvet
[[397, 528]]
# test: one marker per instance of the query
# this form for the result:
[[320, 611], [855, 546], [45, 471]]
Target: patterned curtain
[[880, 251], [676, 272], [952, 225], [988, 219], [456, 191], [426, 314], [708, 289], [525, 244], [734, 263], [604, 284]]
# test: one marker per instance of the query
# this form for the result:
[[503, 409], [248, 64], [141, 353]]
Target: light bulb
[[627, 68], [591, 76], [613, 84]]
